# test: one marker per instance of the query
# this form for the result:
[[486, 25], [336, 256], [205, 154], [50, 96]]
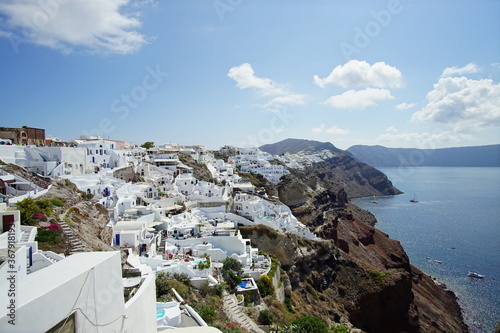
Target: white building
[[274, 215], [82, 293]]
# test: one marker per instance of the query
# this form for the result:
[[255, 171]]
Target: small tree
[[265, 285], [148, 145], [231, 264], [231, 271]]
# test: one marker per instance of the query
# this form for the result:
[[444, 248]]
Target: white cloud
[[391, 129], [470, 68], [318, 130], [463, 103], [292, 99], [94, 25], [405, 106], [244, 75], [334, 130], [359, 99], [245, 78], [357, 73]]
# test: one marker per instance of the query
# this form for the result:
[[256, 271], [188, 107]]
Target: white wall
[[141, 309], [85, 283]]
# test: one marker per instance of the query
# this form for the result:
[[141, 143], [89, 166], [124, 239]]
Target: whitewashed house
[[82, 293]]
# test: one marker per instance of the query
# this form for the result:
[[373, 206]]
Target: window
[[67, 325]]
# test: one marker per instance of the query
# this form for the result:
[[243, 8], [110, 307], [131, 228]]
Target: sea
[[454, 228]]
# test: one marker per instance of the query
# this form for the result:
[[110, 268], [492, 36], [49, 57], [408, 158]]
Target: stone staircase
[[161, 248], [233, 311], [75, 242]]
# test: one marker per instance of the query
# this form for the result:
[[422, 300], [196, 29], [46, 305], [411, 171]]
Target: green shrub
[[231, 264], [57, 202], [265, 317], [162, 285], [208, 314], [183, 290], [48, 236], [340, 329], [288, 304], [265, 285], [377, 276], [274, 266], [310, 324]]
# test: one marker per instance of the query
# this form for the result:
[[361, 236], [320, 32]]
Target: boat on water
[[438, 261], [475, 275], [414, 199]]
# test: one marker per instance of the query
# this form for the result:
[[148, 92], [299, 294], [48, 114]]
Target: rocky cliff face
[[357, 275], [360, 278], [88, 220]]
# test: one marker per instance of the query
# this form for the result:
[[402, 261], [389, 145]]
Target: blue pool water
[[196, 262], [458, 208], [160, 314]]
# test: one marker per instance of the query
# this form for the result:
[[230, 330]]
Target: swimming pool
[[196, 262], [160, 314]]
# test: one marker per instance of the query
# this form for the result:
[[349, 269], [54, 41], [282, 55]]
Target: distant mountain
[[379, 156], [295, 145]]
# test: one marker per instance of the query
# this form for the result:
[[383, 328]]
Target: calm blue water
[[460, 208]]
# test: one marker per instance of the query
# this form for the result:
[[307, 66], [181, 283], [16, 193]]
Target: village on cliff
[[161, 216]]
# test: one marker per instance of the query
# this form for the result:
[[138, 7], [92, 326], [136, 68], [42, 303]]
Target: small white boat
[[438, 261], [475, 275]]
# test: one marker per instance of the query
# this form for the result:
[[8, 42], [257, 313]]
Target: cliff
[[360, 278], [329, 185], [357, 276], [85, 221]]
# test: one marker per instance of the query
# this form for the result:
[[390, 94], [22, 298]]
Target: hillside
[[295, 145], [357, 276], [379, 156]]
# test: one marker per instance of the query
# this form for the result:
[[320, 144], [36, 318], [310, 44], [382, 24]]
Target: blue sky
[[397, 73]]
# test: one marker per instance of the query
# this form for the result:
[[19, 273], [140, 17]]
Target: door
[[117, 239], [7, 222]]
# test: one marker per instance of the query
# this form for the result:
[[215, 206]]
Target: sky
[[397, 73]]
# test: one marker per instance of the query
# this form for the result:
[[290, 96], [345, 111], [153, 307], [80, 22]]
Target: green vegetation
[[34, 209], [256, 179], [377, 276], [274, 266], [48, 236], [232, 271], [207, 301], [340, 329], [206, 264], [310, 324], [265, 317], [148, 145], [265, 285], [208, 314], [288, 304]]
